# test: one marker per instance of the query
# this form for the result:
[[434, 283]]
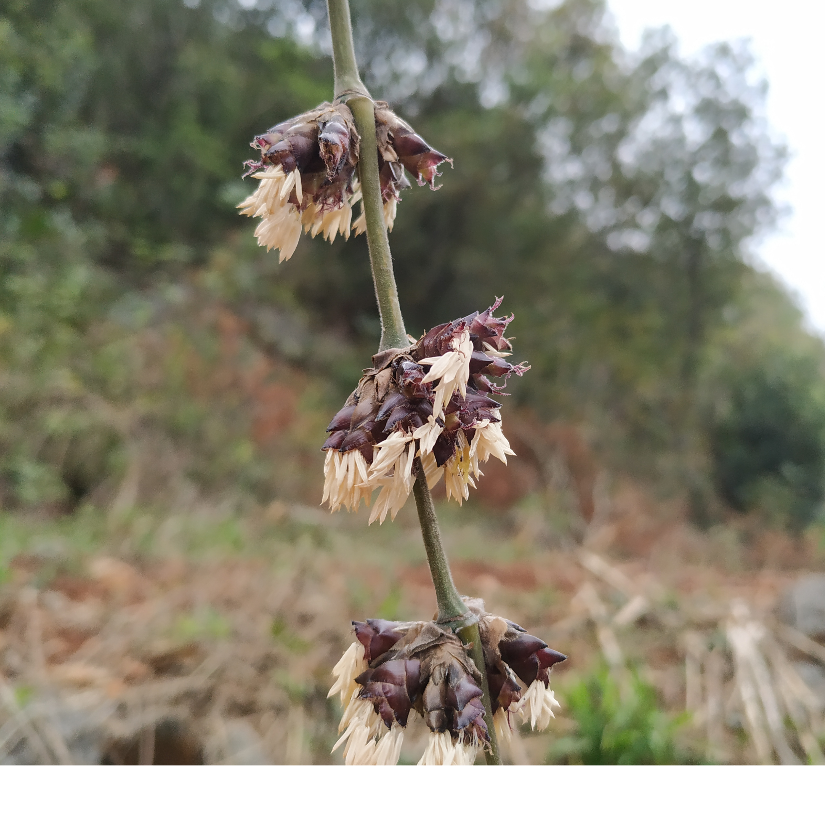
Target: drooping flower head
[[400, 148], [430, 401], [396, 673], [309, 177], [512, 654]]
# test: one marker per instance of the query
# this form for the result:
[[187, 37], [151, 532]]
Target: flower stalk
[[349, 89], [452, 611]]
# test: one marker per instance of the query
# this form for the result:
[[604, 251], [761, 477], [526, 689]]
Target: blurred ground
[[209, 636]]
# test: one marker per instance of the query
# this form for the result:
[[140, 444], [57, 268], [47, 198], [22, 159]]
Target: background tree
[[614, 193]]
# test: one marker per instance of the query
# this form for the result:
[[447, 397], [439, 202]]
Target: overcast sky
[[786, 38]]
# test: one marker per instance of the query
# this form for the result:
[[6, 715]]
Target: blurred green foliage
[[769, 445], [616, 726], [608, 195]]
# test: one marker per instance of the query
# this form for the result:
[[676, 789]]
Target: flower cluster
[[309, 179], [394, 668], [430, 401]]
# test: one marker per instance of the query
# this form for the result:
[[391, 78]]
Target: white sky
[[786, 38]]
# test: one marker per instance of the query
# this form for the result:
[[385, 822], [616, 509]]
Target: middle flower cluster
[[431, 401]]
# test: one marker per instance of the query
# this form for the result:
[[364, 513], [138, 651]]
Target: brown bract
[[394, 393], [308, 173], [322, 145], [424, 667], [400, 146]]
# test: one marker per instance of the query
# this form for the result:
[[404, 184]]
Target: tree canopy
[[609, 196]]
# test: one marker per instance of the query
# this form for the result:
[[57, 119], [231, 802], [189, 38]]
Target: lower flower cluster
[[398, 673]]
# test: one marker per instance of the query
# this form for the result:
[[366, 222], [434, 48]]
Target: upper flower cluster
[[309, 179], [430, 401], [394, 668]]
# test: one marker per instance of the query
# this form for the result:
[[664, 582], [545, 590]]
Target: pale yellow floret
[[451, 370], [501, 720], [431, 469], [280, 226], [332, 222], [536, 705], [359, 725], [439, 751], [389, 745], [462, 467], [280, 230], [350, 665], [491, 350], [459, 470], [359, 225]]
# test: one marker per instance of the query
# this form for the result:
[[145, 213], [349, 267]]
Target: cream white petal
[[439, 751], [288, 185], [387, 453], [345, 480], [427, 434], [537, 705], [389, 745], [504, 730], [348, 667]]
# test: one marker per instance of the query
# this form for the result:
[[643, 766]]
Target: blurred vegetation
[[619, 724], [149, 351]]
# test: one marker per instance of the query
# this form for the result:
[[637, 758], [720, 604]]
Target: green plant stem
[[451, 608], [470, 635], [347, 78], [393, 333], [348, 87]]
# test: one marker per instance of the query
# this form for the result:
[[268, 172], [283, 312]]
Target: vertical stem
[[393, 333], [348, 86], [470, 636], [347, 78], [451, 607]]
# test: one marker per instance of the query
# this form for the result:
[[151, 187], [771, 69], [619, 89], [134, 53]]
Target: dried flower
[[431, 401], [511, 653], [399, 149], [416, 666], [307, 174], [399, 143], [397, 672], [309, 179], [367, 741], [453, 368]]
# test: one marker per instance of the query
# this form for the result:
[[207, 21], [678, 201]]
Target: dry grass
[[128, 647]]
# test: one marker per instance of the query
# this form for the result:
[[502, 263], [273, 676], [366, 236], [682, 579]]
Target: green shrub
[[768, 442], [616, 727]]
